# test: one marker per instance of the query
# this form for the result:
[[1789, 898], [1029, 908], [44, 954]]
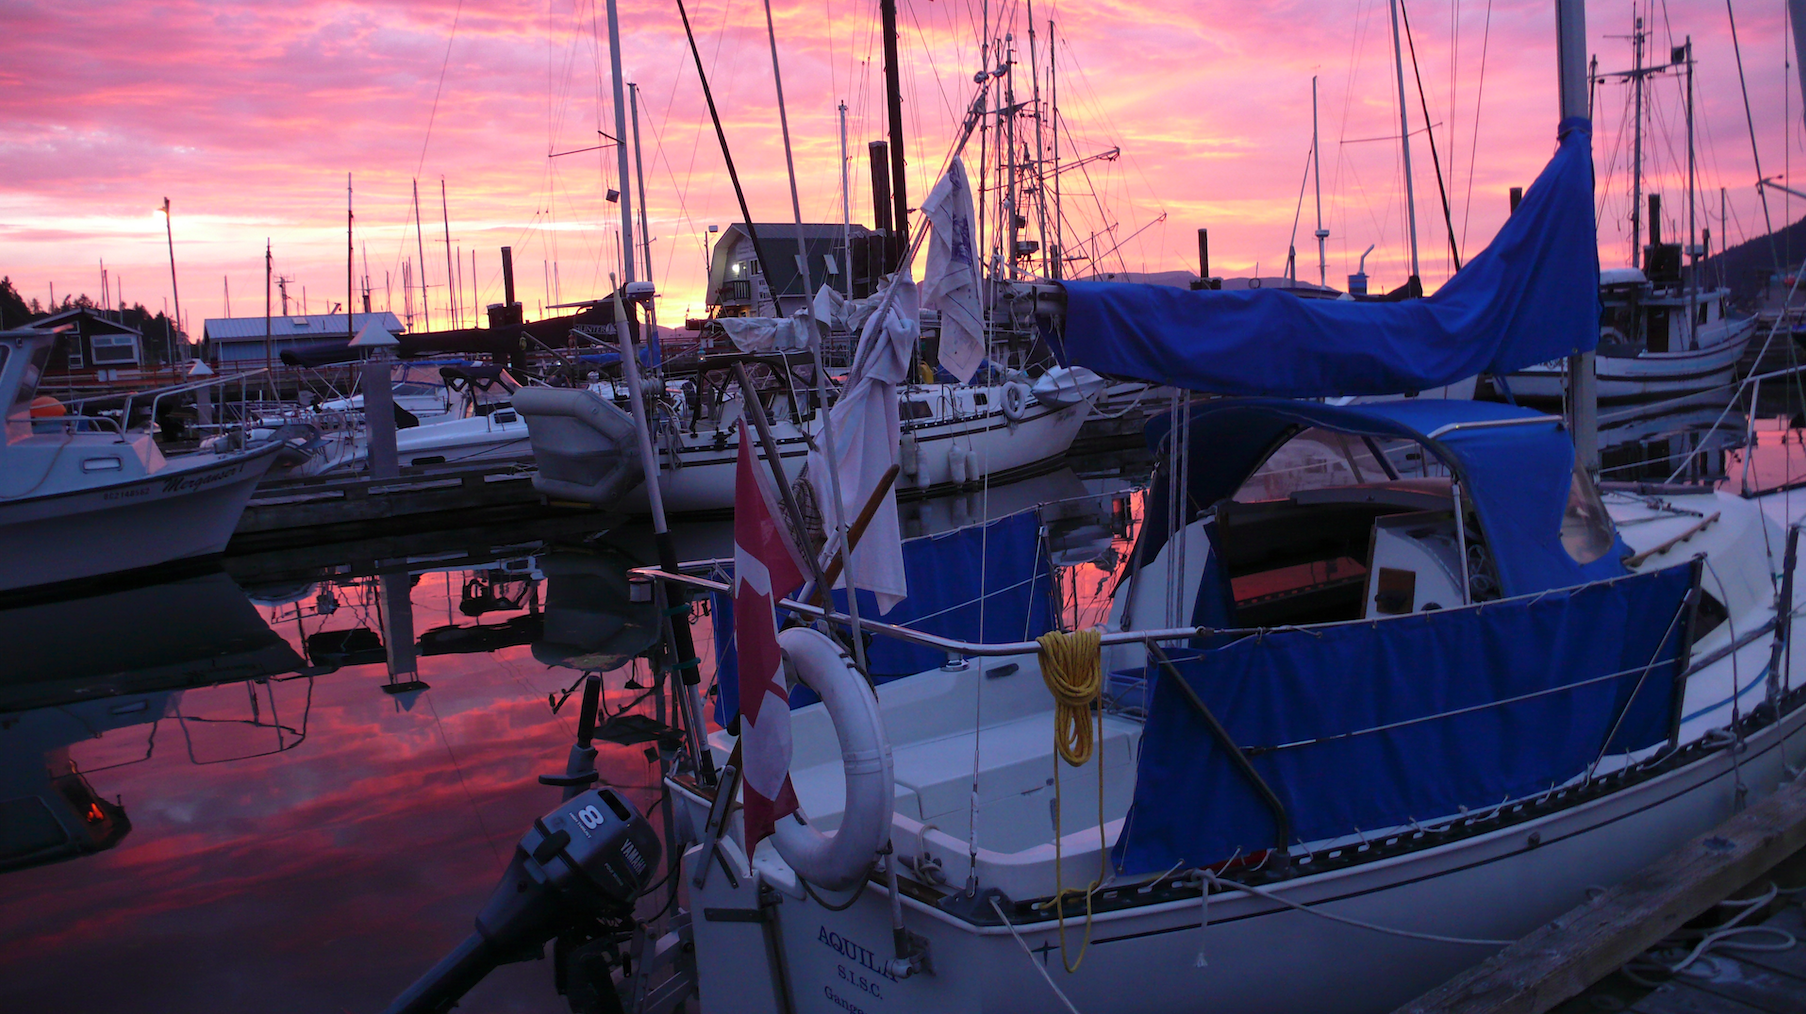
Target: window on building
[[113, 349], [833, 265]]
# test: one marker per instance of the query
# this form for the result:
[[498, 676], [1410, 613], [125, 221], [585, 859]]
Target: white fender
[[840, 860], [1015, 399]]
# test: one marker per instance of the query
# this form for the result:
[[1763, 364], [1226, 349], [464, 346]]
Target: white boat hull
[[1496, 886], [1647, 376], [187, 509], [1000, 449]]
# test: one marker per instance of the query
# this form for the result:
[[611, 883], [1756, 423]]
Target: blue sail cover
[[1531, 296], [1518, 476], [1005, 558], [1371, 725]]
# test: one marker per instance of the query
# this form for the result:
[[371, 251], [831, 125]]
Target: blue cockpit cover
[[1371, 725], [1518, 476], [1531, 296], [1005, 558]]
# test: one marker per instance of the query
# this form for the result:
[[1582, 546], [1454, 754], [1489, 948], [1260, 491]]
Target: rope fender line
[[1072, 668]]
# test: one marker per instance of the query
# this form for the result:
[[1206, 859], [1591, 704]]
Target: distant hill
[[1747, 267]]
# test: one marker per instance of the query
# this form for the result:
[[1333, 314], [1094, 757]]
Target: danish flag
[[767, 567]]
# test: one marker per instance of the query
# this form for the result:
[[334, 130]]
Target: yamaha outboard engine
[[579, 869]]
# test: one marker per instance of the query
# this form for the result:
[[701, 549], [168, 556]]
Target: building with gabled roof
[[234, 344], [740, 285]]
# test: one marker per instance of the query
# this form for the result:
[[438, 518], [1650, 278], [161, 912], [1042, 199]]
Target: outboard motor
[[581, 867]]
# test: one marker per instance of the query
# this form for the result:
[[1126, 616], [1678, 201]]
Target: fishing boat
[[1656, 342], [1348, 730], [1662, 334], [82, 496]]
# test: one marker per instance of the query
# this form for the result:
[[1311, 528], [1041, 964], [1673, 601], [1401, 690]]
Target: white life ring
[[1015, 400], [841, 860]]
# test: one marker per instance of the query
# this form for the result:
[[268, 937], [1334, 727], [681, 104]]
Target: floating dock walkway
[[1557, 966]]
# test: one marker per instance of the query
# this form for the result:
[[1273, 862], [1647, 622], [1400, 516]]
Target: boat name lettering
[[188, 483], [840, 1001], [846, 948], [126, 494]]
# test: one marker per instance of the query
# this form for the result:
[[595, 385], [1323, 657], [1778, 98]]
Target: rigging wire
[[1755, 149], [726, 155], [443, 64], [1434, 159]]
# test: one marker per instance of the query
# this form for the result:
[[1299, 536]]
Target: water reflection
[[291, 784], [209, 793]]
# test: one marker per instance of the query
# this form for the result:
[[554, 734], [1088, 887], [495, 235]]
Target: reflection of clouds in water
[[326, 877]]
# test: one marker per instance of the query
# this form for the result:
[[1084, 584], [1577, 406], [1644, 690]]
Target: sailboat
[[1346, 733], [1001, 425]]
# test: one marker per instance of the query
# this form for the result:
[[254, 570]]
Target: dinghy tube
[[584, 447], [841, 860]]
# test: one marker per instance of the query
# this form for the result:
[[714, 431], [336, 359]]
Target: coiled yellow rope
[[1072, 668]]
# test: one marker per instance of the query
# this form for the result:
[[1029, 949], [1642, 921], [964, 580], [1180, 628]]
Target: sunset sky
[[247, 115]]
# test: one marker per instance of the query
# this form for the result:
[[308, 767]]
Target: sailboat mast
[[1692, 233], [1317, 177], [1034, 68], [350, 286], [846, 208], [1583, 384], [1009, 139], [639, 185], [420, 247], [1053, 100], [451, 290], [1404, 138], [1636, 158], [614, 69], [893, 96]]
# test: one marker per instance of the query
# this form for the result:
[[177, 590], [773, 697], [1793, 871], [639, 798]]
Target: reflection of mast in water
[[397, 611]]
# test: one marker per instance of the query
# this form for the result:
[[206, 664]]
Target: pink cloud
[[248, 115]]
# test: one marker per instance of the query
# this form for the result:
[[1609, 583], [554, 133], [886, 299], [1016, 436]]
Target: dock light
[[582, 865]]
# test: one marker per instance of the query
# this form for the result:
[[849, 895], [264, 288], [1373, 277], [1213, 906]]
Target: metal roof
[[318, 325]]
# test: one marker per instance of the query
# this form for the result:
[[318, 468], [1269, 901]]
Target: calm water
[[298, 838], [265, 826]]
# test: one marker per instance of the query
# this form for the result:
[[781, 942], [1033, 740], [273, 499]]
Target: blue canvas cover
[[1531, 296], [1006, 558], [1364, 726], [1518, 476]]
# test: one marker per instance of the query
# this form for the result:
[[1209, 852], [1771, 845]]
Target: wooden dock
[[1552, 967], [333, 507], [1723, 982]]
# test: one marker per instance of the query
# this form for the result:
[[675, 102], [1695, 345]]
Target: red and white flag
[[767, 567]]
